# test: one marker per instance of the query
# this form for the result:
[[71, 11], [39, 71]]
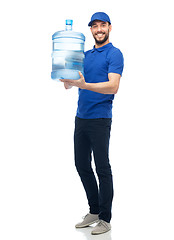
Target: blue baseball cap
[[99, 16]]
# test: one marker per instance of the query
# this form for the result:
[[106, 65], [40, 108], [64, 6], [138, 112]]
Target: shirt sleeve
[[116, 62]]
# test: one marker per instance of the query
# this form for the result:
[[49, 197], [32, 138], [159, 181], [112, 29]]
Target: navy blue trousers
[[92, 136]]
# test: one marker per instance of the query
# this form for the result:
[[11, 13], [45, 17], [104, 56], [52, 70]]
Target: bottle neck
[[68, 24], [68, 27]]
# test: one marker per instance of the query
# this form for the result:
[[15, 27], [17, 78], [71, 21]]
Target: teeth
[[99, 34]]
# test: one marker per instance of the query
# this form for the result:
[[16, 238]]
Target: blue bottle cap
[[69, 22]]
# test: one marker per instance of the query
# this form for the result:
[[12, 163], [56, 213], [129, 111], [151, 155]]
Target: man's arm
[[109, 87]]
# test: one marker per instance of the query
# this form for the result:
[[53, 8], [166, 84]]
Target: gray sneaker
[[101, 227], [88, 220]]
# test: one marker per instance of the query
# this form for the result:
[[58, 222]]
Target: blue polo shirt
[[98, 63]]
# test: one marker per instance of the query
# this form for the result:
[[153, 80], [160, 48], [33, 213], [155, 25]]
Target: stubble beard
[[100, 42]]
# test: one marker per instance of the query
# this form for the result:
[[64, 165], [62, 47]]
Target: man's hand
[[67, 86], [80, 83]]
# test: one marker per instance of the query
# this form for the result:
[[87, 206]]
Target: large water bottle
[[68, 53]]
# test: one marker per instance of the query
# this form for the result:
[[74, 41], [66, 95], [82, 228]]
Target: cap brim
[[90, 23]]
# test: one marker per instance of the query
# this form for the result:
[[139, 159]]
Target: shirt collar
[[101, 49]]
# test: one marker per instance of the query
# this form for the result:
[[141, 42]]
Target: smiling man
[[103, 66]]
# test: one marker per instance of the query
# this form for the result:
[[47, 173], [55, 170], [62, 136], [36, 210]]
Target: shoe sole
[[87, 225], [97, 233]]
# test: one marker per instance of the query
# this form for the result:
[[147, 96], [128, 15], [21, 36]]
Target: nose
[[99, 29]]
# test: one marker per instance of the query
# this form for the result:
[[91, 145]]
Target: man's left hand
[[80, 83]]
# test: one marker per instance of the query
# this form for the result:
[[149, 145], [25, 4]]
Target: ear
[[110, 28]]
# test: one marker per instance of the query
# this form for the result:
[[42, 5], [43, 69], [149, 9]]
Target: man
[[103, 66]]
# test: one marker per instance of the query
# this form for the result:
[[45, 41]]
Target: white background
[[41, 196]]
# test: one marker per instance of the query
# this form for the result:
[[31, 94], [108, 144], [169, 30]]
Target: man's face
[[100, 31]]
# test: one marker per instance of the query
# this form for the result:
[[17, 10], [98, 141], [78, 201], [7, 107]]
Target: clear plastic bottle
[[68, 53]]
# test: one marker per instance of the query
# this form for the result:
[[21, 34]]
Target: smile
[[100, 35]]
